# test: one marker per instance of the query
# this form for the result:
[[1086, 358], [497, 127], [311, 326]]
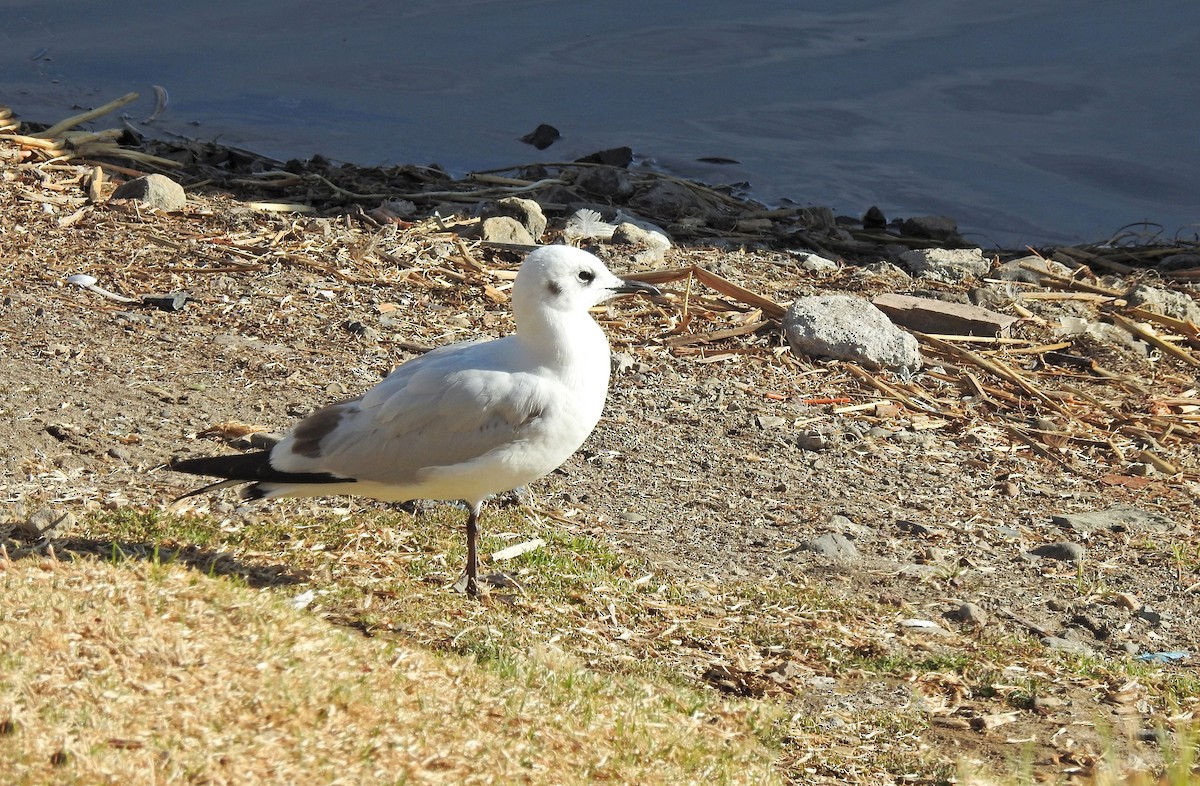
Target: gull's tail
[[252, 468]]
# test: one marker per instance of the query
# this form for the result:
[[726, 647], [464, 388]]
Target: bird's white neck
[[569, 342]]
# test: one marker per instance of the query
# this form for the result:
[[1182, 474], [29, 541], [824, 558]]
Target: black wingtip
[[246, 468]]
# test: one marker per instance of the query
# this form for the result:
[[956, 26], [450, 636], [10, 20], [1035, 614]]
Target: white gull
[[464, 421]]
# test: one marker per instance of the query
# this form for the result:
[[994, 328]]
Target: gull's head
[[568, 279]]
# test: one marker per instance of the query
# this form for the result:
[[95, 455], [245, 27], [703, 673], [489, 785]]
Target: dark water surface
[[1030, 121]]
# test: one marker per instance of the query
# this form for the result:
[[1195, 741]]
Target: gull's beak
[[633, 287]]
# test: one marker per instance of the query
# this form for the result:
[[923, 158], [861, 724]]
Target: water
[[1030, 121]]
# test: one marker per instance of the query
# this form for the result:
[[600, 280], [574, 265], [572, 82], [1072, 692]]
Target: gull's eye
[[586, 276]]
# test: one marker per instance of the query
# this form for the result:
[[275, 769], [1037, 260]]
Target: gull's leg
[[472, 549]]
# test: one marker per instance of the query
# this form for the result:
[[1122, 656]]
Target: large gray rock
[[849, 328], [949, 265], [157, 191], [1164, 301]]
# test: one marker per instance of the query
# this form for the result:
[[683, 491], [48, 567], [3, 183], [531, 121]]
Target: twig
[[1147, 335], [58, 128]]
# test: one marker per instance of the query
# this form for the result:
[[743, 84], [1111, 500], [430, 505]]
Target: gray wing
[[443, 408]]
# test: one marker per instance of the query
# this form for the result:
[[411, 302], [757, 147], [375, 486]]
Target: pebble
[[1067, 645], [924, 626], [1012, 271], [525, 211], [1155, 736], [912, 527], [845, 526], [1064, 550], [768, 422], [813, 263], [830, 544], [504, 229], [1127, 600], [813, 440], [46, 523], [968, 613], [1048, 703], [542, 137]]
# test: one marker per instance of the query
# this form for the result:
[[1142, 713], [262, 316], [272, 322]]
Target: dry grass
[[147, 673], [600, 670]]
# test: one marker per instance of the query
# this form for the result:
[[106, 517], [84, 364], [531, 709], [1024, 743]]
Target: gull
[[461, 422]]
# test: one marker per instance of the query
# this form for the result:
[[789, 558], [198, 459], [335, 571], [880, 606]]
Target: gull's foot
[[492, 581]]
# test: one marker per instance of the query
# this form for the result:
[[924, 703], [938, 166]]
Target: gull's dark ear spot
[[554, 288]]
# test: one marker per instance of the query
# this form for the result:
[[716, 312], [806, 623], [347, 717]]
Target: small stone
[[613, 156], [1046, 704], [783, 672], [874, 219], [175, 301], [542, 137], [654, 244], [767, 422], [912, 527], [1016, 270], [968, 614], [924, 626], [504, 229], [1153, 736], [1149, 615], [845, 526], [525, 211], [813, 263], [813, 440], [1127, 600], [1064, 551], [46, 523], [156, 191], [831, 544], [1067, 645]]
